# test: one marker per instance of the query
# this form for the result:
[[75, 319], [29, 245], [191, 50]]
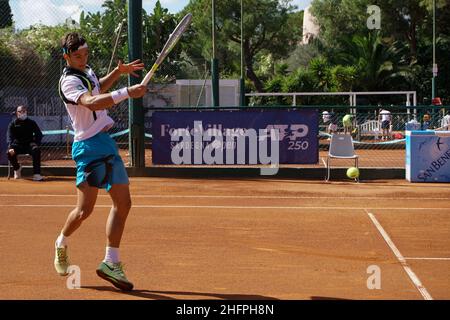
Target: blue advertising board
[[5, 119], [428, 156], [235, 137]]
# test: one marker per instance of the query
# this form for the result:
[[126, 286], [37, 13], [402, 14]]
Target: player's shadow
[[165, 295]]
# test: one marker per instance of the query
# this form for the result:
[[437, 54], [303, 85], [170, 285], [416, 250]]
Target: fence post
[[136, 110]]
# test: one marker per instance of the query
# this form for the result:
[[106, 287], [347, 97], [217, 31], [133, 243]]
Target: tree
[[102, 30], [339, 18], [403, 20], [5, 14], [377, 61], [157, 29], [406, 42], [267, 31]]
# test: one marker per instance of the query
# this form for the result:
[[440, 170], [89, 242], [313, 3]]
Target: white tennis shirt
[[84, 123], [385, 115]]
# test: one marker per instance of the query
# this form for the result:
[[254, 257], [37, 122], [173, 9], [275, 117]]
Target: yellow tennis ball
[[353, 173], [347, 120]]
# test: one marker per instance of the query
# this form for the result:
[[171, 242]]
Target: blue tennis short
[[93, 149]]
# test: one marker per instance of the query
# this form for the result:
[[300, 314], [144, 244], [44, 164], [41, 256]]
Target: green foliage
[[31, 56], [101, 30], [346, 56], [269, 29], [398, 57], [377, 61], [344, 77], [340, 18], [303, 53]]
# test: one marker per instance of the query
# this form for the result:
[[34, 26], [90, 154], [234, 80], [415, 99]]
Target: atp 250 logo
[[294, 134]]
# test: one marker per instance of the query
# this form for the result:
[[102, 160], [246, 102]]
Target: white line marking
[[220, 207], [324, 163], [437, 259], [417, 283], [232, 197]]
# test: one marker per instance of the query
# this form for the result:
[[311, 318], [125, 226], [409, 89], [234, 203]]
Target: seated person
[[24, 138], [330, 119], [445, 124], [426, 123]]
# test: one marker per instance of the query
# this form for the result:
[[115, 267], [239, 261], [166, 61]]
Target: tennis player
[[95, 153]]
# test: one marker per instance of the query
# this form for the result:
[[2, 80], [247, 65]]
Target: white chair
[[341, 147], [370, 128]]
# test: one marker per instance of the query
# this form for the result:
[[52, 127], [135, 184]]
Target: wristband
[[120, 95]]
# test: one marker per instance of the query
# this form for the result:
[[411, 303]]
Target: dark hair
[[72, 41], [21, 106]]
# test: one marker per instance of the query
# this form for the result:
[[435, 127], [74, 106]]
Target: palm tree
[[377, 61]]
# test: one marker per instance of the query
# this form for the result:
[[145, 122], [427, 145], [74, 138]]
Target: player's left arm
[[122, 68]]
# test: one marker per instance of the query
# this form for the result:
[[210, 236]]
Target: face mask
[[22, 116]]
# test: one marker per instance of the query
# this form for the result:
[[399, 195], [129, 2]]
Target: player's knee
[[82, 213], [127, 204], [124, 205]]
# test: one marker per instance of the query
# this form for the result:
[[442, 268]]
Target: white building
[[310, 27]]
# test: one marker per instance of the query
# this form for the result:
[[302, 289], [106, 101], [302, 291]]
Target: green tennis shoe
[[61, 262], [113, 272]]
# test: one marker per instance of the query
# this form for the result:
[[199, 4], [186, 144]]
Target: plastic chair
[[341, 147]]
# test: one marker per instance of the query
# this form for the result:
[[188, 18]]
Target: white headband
[[83, 46]]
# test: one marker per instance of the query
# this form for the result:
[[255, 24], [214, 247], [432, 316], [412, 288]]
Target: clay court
[[379, 157], [235, 239]]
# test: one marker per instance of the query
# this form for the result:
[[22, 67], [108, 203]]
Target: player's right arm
[[107, 100], [76, 92]]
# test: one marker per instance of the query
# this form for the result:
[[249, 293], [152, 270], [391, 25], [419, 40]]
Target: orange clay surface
[[368, 158], [233, 239]]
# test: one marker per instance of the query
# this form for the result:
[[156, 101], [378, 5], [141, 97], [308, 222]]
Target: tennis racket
[[170, 44]]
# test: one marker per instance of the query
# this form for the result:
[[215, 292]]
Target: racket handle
[[149, 75]]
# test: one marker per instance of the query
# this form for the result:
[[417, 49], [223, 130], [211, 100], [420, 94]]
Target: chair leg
[[328, 170], [9, 170]]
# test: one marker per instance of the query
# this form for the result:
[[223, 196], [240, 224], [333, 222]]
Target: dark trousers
[[21, 149]]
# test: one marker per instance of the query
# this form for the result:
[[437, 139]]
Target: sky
[[52, 12]]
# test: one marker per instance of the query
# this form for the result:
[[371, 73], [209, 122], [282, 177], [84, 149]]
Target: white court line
[[404, 184], [416, 281], [437, 259], [220, 207], [236, 196]]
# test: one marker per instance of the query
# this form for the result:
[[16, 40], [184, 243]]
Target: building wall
[[310, 27]]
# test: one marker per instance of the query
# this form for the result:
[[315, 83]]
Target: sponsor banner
[[235, 137], [428, 156], [5, 119]]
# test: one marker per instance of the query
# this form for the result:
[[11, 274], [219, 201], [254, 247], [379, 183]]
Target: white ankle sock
[[112, 255], [61, 241]]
